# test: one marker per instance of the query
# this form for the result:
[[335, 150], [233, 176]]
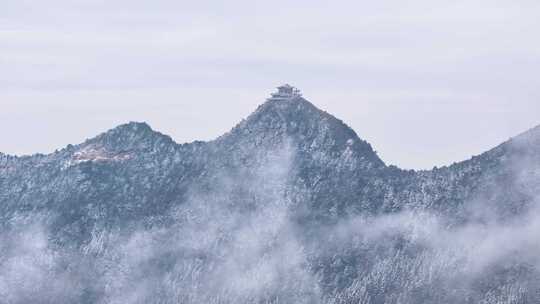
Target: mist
[[237, 240]]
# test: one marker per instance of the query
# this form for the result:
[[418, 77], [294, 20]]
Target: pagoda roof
[[286, 86]]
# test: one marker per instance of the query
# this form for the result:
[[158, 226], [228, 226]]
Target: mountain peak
[[287, 114], [130, 136], [135, 126]]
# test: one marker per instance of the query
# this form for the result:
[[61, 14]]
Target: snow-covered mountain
[[290, 206]]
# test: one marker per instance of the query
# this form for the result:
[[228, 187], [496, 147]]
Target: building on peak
[[284, 92]]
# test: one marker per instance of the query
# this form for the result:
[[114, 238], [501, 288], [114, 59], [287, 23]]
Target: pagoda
[[285, 92]]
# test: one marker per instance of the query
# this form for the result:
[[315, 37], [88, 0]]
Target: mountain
[[290, 206]]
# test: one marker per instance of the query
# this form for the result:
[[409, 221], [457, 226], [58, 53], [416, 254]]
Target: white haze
[[220, 251]]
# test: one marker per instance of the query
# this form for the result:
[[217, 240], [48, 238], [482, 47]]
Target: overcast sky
[[425, 82]]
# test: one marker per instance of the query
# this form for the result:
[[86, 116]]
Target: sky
[[427, 83]]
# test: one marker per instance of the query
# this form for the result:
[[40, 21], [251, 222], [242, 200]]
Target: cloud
[[236, 240], [474, 56]]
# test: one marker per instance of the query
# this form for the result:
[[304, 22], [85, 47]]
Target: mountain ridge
[[290, 206], [131, 129]]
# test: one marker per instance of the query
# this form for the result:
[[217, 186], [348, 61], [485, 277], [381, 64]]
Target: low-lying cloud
[[238, 242]]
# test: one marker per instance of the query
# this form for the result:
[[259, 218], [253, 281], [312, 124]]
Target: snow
[[96, 154]]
